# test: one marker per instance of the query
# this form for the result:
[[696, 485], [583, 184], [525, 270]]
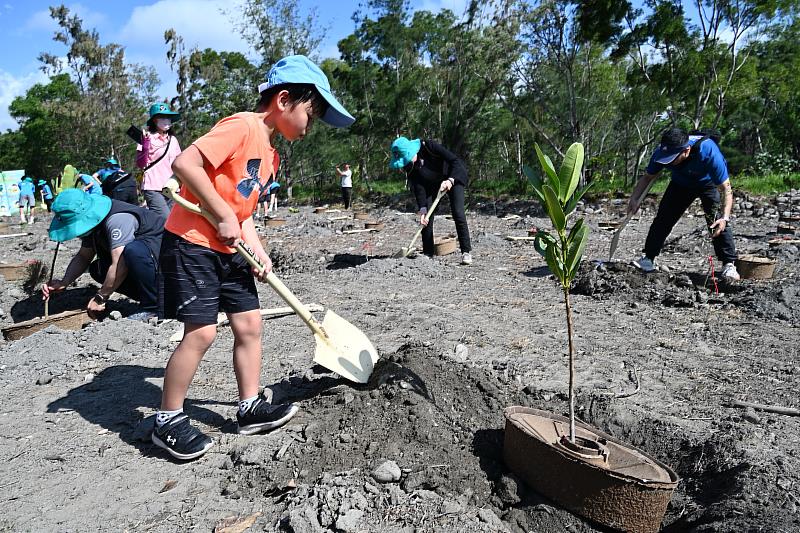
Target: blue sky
[[139, 26]]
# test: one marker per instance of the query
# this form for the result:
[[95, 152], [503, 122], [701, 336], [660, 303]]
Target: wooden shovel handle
[[431, 210], [170, 191]]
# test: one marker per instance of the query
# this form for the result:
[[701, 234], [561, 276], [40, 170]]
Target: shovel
[[341, 347], [52, 268], [615, 239], [405, 251]]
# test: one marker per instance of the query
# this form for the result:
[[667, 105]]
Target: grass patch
[[766, 185]]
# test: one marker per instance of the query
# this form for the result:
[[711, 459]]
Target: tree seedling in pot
[[558, 193]]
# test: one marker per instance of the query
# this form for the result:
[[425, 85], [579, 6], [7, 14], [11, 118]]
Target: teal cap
[[76, 213], [403, 151], [160, 108]]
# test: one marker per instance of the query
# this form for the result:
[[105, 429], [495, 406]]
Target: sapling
[[559, 194]]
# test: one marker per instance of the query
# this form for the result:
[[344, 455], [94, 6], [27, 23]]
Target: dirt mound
[[439, 420]]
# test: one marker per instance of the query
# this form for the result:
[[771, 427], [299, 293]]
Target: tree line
[[488, 83]]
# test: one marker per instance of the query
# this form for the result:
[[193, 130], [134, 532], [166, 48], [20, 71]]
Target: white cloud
[[201, 23], [42, 21], [11, 87]]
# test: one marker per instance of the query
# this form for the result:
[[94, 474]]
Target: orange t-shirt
[[239, 162]]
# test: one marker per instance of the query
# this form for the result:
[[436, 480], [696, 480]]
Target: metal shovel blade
[[344, 349], [615, 239]]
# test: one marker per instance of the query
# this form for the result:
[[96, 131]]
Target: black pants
[[456, 195], [347, 196], [48, 202], [141, 283], [674, 203]]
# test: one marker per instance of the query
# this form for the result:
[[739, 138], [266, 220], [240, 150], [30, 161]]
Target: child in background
[[47, 194], [26, 199], [155, 156], [273, 196], [88, 183], [224, 171]]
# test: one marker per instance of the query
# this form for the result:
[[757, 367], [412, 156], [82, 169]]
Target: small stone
[[115, 315], [387, 472], [345, 438], [461, 352], [451, 507], [115, 345], [44, 379], [88, 378], [346, 398], [349, 520], [751, 416], [488, 516]]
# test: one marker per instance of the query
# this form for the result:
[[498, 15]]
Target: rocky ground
[[418, 448]]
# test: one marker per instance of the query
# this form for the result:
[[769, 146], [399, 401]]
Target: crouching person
[[120, 244]]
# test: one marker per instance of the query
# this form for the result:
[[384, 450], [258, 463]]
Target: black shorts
[[196, 282]]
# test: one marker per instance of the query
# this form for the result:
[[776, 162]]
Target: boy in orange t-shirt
[[201, 273]]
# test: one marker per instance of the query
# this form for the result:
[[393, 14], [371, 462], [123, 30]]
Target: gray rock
[[304, 520], [751, 416], [115, 315], [349, 520], [507, 490], [115, 345], [461, 352], [451, 507], [44, 379], [387, 472], [489, 517]]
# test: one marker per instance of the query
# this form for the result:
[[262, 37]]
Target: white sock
[[245, 404], [162, 417]]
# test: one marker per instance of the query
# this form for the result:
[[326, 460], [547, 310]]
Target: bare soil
[[659, 358]]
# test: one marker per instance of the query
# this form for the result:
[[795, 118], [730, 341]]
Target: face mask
[[163, 123]]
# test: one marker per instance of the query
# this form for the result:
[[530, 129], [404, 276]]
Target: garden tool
[[405, 251], [52, 269], [341, 347]]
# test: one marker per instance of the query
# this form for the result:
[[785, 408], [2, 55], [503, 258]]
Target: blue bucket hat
[[76, 213], [403, 151], [112, 161], [160, 108], [300, 69]]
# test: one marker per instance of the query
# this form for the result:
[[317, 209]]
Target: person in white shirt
[[347, 185]]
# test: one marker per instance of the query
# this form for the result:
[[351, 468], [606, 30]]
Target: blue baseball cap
[[673, 142], [403, 151], [300, 69]]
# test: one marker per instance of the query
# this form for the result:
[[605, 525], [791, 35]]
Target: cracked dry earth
[[419, 447]]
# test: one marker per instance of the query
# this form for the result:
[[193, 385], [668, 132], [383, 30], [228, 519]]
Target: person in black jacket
[[430, 168], [125, 239]]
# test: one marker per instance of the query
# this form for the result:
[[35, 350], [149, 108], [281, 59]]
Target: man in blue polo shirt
[[697, 172]]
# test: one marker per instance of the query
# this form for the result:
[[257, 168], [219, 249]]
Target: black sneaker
[[263, 416], [181, 439]]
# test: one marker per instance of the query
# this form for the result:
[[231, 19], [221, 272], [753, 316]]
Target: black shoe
[[181, 439], [263, 416]]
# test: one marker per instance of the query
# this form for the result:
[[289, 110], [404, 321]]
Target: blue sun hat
[[162, 109], [300, 69], [403, 151], [76, 213]]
